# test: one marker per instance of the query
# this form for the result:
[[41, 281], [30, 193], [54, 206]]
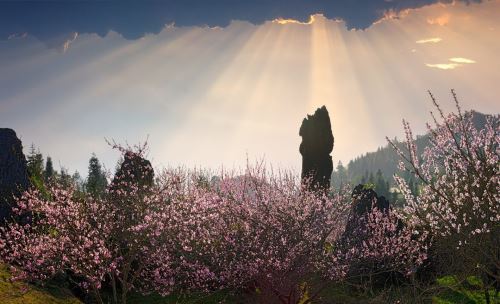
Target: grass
[[468, 292], [23, 293], [448, 290]]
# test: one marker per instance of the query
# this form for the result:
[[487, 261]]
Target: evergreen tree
[[35, 168], [339, 176], [364, 179], [65, 178], [371, 179], [35, 163], [49, 169], [96, 181], [77, 181], [342, 174], [381, 186]]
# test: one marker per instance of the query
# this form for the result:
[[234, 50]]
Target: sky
[[217, 83]]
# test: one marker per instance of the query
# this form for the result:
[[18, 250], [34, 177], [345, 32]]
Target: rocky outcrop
[[131, 184], [356, 233], [363, 202], [316, 146], [134, 170], [13, 172], [364, 199]]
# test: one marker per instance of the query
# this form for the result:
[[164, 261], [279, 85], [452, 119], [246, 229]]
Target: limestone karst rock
[[13, 172], [316, 146]]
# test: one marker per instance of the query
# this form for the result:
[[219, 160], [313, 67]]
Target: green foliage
[[381, 185], [36, 169], [23, 293], [65, 178], [49, 170], [35, 163], [96, 181], [368, 186], [339, 176], [470, 291], [446, 290]]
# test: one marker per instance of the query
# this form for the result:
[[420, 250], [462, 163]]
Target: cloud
[[293, 21], [245, 88], [134, 19], [17, 36], [443, 66], [441, 20], [70, 40], [455, 62], [462, 60], [393, 14], [429, 40]]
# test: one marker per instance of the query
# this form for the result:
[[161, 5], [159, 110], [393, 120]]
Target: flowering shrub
[[181, 233], [377, 248], [382, 248], [117, 238], [459, 199], [253, 231]]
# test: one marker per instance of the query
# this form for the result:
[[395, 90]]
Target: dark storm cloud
[[51, 19]]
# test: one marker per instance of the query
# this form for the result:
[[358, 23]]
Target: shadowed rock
[[316, 146], [13, 172], [365, 199], [134, 171], [363, 202]]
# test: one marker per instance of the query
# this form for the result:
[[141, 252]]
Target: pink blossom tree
[[257, 231], [459, 198], [266, 233], [118, 239], [381, 250], [378, 248]]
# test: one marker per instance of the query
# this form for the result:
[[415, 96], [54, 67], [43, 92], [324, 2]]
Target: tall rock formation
[[316, 146], [13, 172]]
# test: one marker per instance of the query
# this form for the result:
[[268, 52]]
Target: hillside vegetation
[[23, 293]]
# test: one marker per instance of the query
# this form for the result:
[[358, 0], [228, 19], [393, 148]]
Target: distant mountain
[[385, 159]]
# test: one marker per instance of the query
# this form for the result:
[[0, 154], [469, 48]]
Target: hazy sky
[[211, 96]]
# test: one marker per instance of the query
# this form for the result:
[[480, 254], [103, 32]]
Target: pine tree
[[364, 179], [77, 181], [35, 168], [339, 176], [96, 180], [49, 170], [65, 178], [371, 179], [35, 163], [380, 184]]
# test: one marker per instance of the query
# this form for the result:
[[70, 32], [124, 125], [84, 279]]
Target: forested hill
[[384, 159]]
